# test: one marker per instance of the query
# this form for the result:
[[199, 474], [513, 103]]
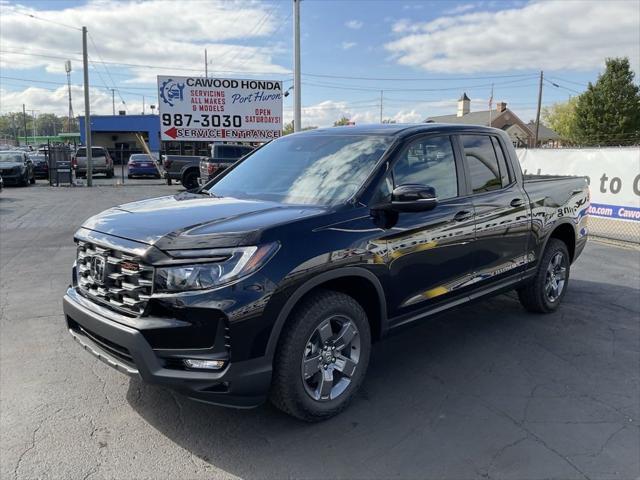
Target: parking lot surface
[[487, 391]]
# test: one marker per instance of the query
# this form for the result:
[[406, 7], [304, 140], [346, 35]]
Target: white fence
[[614, 180]]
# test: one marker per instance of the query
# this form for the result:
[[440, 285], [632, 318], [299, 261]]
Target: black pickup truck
[[223, 157], [274, 280]]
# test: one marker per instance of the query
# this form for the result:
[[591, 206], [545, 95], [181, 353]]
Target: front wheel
[[109, 173], [545, 292], [322, 357]]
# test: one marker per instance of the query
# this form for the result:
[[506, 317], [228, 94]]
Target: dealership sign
[[219, 109], [613, 175]]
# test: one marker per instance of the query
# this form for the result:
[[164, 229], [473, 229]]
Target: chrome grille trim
[[125, 290]]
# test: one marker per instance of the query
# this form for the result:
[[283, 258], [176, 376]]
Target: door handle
[[462, 216], [517, 202]]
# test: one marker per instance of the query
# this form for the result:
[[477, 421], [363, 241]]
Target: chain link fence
[[626, 231]]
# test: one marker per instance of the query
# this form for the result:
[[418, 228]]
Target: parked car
[[16, 168], [184, 168], [274, 281], [40, 165], [101, 161], [142, 165], [223, 157], [1, 183]]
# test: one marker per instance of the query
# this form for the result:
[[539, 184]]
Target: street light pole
[[297, 107], [87, 107], [113, 100]]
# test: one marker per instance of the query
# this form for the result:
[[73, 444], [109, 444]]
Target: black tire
[[25, 181], [190, 179], [129, 176], [289, 389], [109, 173], [535, 296]]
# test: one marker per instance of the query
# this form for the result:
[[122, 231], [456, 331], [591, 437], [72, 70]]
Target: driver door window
[[429, 161]]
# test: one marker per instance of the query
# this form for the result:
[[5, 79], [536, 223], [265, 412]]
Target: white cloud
[[348, 45], [57, 101], [146, 32], [354, 24], [552, 35]]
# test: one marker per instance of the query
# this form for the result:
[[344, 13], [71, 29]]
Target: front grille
[[7, 171], [117, 279]]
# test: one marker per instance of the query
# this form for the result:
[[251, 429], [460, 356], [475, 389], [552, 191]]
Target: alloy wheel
[[556, 277], [330, 358]]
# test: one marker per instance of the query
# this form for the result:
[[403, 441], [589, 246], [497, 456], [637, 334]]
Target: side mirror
[[413, 197]]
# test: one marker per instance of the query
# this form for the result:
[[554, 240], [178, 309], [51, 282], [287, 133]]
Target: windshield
[[10, 157], [317, 170], [95, 152], [38, 158]]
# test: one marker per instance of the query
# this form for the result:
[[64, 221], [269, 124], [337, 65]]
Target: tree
[[49, 124], [342, 121], [608, 113], [288, 128], [561, 118]]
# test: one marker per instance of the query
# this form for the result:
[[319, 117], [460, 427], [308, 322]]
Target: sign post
[[219, 109]]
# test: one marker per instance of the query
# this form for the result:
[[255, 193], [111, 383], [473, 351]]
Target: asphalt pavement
[[488, 391]]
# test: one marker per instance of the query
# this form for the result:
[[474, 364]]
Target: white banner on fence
[[614, 175], [219, 109]]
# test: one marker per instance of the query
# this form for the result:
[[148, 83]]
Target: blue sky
[[421, 54]]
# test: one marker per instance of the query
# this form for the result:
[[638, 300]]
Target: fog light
[[204, 364]]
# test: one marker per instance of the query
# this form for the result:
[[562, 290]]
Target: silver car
[[101, 160]]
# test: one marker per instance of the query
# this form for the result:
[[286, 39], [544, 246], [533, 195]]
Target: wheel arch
[[356, 282], [566, 233]]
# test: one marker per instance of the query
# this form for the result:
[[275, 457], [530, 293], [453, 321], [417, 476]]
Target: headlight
[[215, 267]]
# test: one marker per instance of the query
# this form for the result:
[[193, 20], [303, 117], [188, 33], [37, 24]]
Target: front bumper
[[151, 171], [13, 178], [102, 332]]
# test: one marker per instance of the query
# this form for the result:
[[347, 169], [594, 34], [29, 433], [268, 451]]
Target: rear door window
[[482, 162]]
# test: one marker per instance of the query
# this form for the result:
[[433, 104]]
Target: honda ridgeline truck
[[273, 280]]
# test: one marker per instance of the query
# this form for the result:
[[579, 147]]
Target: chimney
[[464, 105], [501, 106]]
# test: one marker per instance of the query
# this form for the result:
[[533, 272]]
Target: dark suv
[[274, 279]]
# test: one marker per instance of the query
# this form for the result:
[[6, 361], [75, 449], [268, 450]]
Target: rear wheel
[[545, 292], [190, 179], [322, 357], [109, 173]]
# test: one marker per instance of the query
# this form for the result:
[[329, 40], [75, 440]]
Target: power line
[[47, 20], [415, 79]]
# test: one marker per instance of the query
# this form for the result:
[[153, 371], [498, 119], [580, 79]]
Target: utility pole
[[87, 108], [381, 93], [113, 100], [24, 120], [206, 64], [535, 138], [297, 107], [67, 67]]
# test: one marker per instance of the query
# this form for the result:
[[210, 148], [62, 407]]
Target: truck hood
[[195, 221]]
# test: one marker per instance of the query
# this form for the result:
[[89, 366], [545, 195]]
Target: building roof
[[544, 133], [464, 97], [471, 118]]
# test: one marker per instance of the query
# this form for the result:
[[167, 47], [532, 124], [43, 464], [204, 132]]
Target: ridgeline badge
[[171, 91]]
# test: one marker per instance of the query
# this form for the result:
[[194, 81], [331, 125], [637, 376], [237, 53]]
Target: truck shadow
[[449, 387]]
